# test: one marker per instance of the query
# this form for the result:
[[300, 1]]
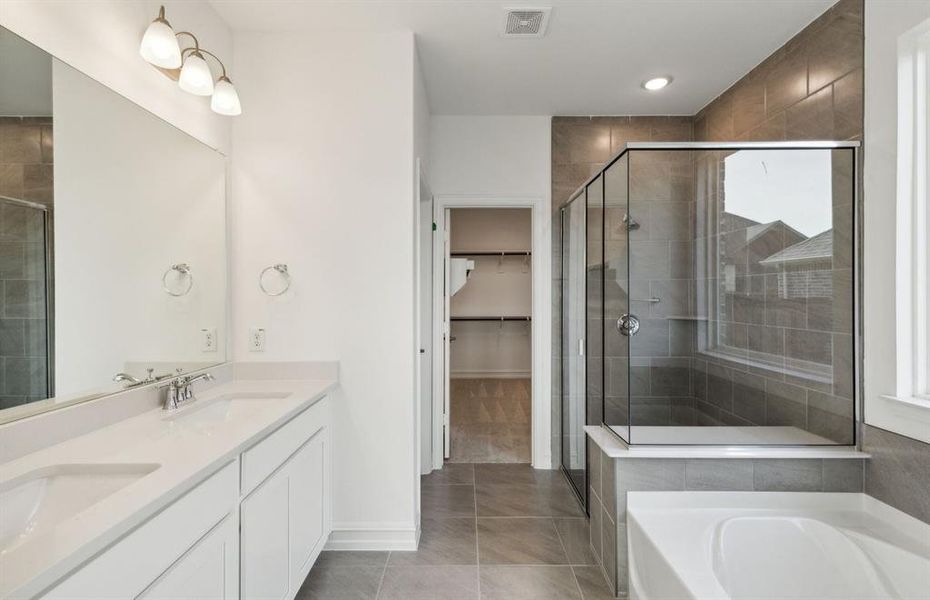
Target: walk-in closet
[[490, 352]]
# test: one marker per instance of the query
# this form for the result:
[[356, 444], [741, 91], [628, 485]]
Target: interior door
[[425, 307]]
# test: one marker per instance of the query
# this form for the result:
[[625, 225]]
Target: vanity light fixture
[[160, 47], [657, 83], [196, 77]]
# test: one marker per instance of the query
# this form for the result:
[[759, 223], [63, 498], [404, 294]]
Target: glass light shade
[[196, 77], [160, 46], [225, 99]]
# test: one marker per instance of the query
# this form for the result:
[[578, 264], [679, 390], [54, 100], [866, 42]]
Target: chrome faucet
[[180, 391], [135, 381], [126, 377]]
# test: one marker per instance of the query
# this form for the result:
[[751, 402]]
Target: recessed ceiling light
[[657, 83]]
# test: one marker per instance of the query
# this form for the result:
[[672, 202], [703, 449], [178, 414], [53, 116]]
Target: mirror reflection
[[112, 239]]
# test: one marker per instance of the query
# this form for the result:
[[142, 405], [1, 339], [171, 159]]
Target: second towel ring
[[282, 271], [184, 271]]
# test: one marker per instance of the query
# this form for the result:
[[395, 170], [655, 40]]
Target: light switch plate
[[208, 339], [256, 339]]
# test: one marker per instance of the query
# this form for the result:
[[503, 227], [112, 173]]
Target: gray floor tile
[[442, 542], [331, 558], [593, 584], [527, 500], [430, 583], [515, 473], [521, 541], [528, 583], [445, 501], [342, 583], [450, 474], [576, 538]]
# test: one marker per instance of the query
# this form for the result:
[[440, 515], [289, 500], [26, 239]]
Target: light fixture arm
[[190, 35], [198, 50]]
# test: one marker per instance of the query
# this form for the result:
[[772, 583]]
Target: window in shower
[[773, 242]]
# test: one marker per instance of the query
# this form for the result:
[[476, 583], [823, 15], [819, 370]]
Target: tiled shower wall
[[25, 174]]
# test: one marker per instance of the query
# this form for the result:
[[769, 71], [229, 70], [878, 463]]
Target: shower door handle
[[628, 324]]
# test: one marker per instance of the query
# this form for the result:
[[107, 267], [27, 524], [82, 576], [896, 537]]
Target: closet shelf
[[491, 318], [456, 254]]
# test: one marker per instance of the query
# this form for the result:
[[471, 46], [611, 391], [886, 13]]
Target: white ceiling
[[592, 61]]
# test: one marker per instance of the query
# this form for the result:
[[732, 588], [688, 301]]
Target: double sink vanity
[[227, 496]]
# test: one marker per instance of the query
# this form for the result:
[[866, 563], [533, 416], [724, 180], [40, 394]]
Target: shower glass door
[[573, 342]]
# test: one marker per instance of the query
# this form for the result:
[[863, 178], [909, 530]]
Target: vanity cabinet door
[[284, 524], [208, 571], [264, 540], [307, 508]]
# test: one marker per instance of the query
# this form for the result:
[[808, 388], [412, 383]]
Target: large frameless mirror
[[112, 239]]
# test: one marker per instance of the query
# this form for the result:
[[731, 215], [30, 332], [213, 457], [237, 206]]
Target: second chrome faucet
[[180, 391]]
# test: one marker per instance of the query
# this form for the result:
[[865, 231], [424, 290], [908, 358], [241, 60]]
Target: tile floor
[[490, 420], [490, 532]]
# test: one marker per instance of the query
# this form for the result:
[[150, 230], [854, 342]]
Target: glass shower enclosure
[[708, 297]]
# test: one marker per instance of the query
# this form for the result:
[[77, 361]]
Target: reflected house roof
[[755, 229], [819, 247]]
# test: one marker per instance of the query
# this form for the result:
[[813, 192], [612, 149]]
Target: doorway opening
[[489, 305]]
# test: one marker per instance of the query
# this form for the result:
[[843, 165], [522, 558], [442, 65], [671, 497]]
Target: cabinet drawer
[[130, 565], [260, 461]]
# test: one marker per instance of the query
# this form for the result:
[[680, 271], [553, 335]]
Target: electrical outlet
[[256, 339], [208, 340]]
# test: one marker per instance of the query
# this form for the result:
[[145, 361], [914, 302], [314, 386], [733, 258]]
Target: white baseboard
[[373, 536], [490, 374]]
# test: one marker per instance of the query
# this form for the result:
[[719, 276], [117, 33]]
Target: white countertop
[[614, 447], [186, 455]]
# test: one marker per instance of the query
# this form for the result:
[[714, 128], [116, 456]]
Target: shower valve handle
[[628, 324]]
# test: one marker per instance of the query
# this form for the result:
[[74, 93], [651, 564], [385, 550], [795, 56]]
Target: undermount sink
[[35, 502], [222, 408]]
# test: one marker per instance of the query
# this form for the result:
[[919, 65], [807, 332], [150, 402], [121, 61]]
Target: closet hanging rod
[[493, 319], [491, 254]]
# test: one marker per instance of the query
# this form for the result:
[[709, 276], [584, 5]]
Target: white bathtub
[[774, 545]]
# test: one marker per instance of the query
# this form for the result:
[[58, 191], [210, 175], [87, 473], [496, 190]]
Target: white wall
[[323, 181], [147, 196], [490, 155], [885, 21], [101, 38]]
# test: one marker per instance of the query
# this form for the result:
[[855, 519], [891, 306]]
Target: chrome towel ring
[[183, 271], [281, 270]]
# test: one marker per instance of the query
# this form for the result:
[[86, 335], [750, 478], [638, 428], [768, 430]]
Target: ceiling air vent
[[526, 22]]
